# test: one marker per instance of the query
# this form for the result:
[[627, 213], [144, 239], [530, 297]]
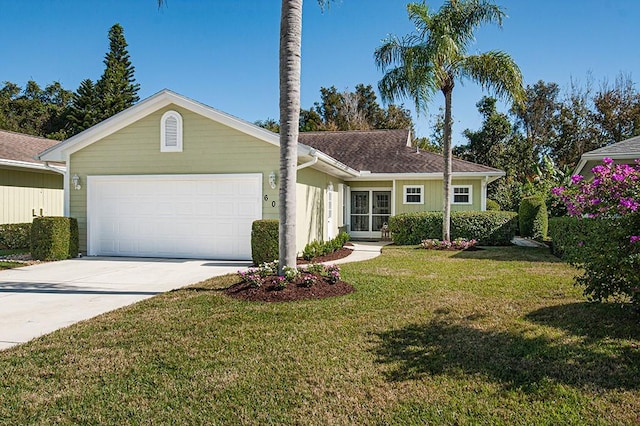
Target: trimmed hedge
[[534, 221], [567, 232], [15, 236], [264, 240], [488, 228], [605, 251], [54, 238]]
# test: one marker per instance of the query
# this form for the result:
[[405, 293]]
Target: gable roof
[[628, 149], [387, 152], [20, 150], [63, 150]]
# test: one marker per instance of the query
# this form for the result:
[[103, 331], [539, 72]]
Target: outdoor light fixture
[[76, 181], [272, 180]]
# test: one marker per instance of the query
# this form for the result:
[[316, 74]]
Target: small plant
[[332, 272], [317, 248], [290, 273], [251, 277], [308, 280], [457, 244], [280, 283], [315, 268]]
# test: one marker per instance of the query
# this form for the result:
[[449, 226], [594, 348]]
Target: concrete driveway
[[39, 299]]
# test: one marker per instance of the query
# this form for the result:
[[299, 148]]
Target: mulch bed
[[293, 291], [321, 289], [338, 254]]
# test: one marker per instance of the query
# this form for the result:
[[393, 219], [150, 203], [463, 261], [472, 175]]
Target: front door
[[370, 209]]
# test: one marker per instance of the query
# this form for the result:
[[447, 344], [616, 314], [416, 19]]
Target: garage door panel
[[203, 216]]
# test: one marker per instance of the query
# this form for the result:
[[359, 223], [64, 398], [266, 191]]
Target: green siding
[[208, 148], [370, 184], [433, 196]]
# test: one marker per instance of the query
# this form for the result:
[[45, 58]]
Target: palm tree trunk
[[290, 42], [446, 186]]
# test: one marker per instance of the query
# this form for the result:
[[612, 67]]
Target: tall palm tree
[[290, 48], [435, 57]]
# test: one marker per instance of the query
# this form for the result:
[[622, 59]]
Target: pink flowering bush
[[608, 247]]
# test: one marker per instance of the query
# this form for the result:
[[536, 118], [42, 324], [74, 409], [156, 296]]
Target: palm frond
[[497, 72]]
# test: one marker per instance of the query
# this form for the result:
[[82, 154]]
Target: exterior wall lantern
[[272, 180], [75, 180]]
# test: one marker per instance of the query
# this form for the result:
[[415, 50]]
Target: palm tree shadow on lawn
[[590, 356], [509, 253]]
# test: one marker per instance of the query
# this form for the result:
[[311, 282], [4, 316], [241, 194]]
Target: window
[[461, 194], [171, 132], [413, 194]]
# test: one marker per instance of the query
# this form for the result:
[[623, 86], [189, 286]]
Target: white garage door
[[183, 216]]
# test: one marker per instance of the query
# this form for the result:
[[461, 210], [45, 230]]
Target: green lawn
[[9, 265], [499, 336]]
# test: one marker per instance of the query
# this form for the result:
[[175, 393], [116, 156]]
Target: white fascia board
[[29, 165], [144, 108], [585, 158], [428, 176]]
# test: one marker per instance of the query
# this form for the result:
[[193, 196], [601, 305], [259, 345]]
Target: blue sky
[[224, 53]]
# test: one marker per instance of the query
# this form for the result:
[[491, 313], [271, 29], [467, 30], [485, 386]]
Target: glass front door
[[369, 211]]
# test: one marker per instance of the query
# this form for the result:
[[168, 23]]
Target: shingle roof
[[21, 147], [383, 151], [627, 146]]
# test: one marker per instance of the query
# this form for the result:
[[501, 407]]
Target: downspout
[[309, 163]]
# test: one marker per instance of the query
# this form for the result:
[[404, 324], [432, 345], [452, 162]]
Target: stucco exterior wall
[[24, 193]]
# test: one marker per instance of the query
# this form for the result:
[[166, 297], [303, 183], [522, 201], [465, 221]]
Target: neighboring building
[[171, 177], [624, 152], [28, 187]]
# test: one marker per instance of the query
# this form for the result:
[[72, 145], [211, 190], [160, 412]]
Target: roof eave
[[30, 165], [492, 175]]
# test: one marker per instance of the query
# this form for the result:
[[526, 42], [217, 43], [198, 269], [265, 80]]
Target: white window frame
[[405, 194], [453, 194], [163, 145]]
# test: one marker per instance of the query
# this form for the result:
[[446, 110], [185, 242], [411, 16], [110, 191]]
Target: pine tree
[[85, 109], [117, 89]]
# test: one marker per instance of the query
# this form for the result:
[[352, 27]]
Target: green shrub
[[606, 252], [533, 218], [491, 228], [264, 241], [15, 236], [54, 238], [317, 248], [567, 232], [492, 205], [488, 228]]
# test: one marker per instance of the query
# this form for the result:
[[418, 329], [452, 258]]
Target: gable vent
[[171, 132]]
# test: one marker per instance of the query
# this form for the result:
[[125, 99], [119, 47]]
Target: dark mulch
[[338, 254], [293, 291]]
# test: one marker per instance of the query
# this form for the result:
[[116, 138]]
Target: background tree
[[435, 57], [617, 110], [357, 110], [84, 111], [33, 110], [117, 89]]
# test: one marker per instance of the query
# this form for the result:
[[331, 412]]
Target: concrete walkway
[[527, 242], [38, 299], [362, 250]]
